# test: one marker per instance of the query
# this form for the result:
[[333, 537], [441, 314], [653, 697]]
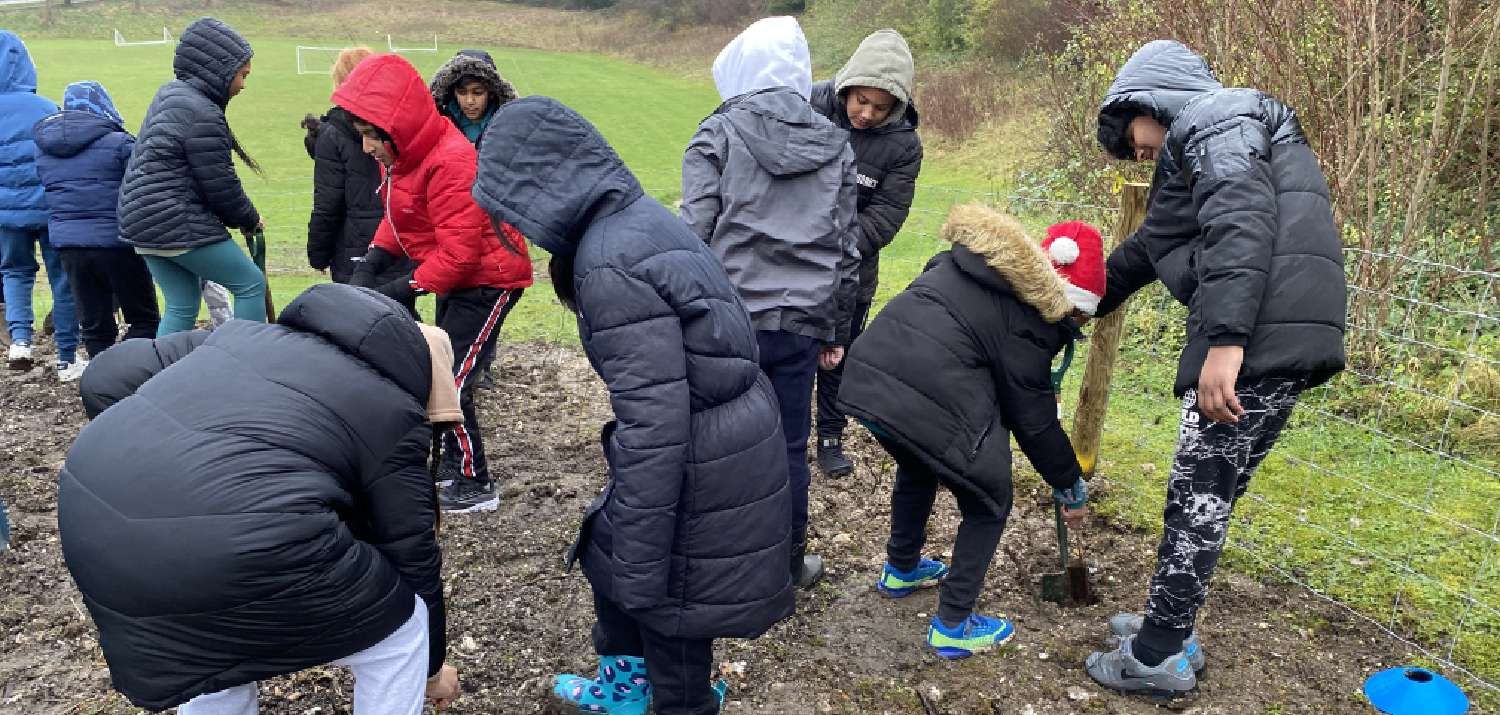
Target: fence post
[[1104, 347]]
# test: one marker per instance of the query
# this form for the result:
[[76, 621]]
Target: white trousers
[[390, 677]]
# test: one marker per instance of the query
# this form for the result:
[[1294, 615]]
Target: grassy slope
[[1307, 501]]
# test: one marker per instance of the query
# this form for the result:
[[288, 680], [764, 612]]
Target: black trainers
[[486, 380], [463, 496], [831, 459], [448, 473]]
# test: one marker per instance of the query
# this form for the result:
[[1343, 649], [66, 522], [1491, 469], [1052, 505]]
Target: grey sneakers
[[1119, 670], [1124, 625]]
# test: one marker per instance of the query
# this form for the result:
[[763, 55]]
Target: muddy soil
[[515, 618]]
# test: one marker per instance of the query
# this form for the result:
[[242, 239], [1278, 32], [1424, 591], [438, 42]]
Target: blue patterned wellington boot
[[620, 689]]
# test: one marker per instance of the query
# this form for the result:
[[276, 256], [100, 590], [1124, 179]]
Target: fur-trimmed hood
[[445, 81], [1008, 254]]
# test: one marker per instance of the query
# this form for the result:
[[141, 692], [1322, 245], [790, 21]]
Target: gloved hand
[[1074, 497], [375, 262], [402, 289]]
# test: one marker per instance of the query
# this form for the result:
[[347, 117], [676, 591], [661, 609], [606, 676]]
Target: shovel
[[255, 243], [1069, 587]]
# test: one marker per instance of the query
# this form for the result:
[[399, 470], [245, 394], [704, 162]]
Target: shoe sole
[[489, 505], [837, 473], [955, 653], [1152, 693], [904, 592]]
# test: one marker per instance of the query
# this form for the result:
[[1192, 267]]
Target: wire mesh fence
[[1382, 497]]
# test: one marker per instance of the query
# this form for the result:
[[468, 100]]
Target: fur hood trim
[[445, 81], [1002, 242]]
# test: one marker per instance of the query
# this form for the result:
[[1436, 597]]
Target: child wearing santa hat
[[946, 374]]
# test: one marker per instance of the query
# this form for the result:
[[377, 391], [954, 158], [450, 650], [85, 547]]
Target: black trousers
[[103, 278], [831, 419], [472, 317], [973, 549], [679, 668], [1210, 472]]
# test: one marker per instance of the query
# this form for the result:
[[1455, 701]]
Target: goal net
[[316, 60], [120, 41], [391, 43]]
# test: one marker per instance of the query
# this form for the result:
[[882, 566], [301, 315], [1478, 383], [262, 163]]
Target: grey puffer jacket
[[180, 189], [1240, 228], [770, 185], [692, 532]]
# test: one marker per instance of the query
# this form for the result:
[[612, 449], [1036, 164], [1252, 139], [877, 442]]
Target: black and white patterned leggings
[[1210, 472]]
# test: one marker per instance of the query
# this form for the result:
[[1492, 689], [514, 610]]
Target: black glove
[[402, 290], [375, 262]]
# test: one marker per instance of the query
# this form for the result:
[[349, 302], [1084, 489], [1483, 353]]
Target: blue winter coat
[[81, 153], [21, 202], [691, 534], [180, 189]]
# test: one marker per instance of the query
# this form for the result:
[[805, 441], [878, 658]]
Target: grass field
[[1311, 516]]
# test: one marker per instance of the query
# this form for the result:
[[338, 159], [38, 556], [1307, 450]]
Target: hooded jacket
[[770, 185], [180, 189], [469, 64], [961, 360], [691, 534], [1240, 228], [255, 501], [81, 153], [429, 213], [887, 157], [346, 200], [22, 203]]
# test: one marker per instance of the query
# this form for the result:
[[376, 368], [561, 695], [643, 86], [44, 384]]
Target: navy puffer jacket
[[256, 501], [692, 532], [1240, 228], [180, 189], [81, 153]]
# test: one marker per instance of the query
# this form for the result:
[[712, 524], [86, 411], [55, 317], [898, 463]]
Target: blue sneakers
[[898, 584], [976, 634], [620, 689]]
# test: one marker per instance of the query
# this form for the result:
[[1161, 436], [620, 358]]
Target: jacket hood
[[90, 96], [369, 326], [17, 72], [209, 54], [547, 171], [388, 92], [769, 53], [883, 61], [1001, 243], [783, 132], [1158, 80], [71, 131], [464, 64]]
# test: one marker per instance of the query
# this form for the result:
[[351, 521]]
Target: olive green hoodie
[[882, 61]]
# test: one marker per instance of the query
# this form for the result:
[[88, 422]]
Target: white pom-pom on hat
[[1063, 250]]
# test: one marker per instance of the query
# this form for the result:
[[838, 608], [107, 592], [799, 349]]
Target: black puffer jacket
[[692, 531], [346, 206], [259, 504], [180, 189], [888, 159], [962, 359], [1240, 228]]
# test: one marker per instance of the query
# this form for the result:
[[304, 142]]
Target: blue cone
[[1409, 690]]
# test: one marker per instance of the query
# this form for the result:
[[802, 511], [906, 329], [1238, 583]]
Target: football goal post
[[316, 60], [391, 43], [120, 41]]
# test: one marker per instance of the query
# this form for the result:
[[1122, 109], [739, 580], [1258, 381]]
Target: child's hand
[[442, 689], [831, 356], [1216, 398]]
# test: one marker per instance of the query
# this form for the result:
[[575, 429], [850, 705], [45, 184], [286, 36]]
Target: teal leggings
[[223, 263]]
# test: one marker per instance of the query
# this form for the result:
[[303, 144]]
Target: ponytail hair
[[234, 143]]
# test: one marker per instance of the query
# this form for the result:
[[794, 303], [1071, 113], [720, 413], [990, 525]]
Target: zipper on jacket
[[386, 185], [988, 427]]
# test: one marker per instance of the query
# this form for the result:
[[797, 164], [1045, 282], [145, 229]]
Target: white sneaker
[[70, 371], [19, 357]]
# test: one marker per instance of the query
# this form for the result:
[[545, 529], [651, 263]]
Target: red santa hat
[[1077, 253]]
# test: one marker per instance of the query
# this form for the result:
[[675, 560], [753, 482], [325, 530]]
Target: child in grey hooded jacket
[[770, 185]]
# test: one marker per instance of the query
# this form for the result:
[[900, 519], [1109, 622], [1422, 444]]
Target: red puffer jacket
[[429, 213]]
